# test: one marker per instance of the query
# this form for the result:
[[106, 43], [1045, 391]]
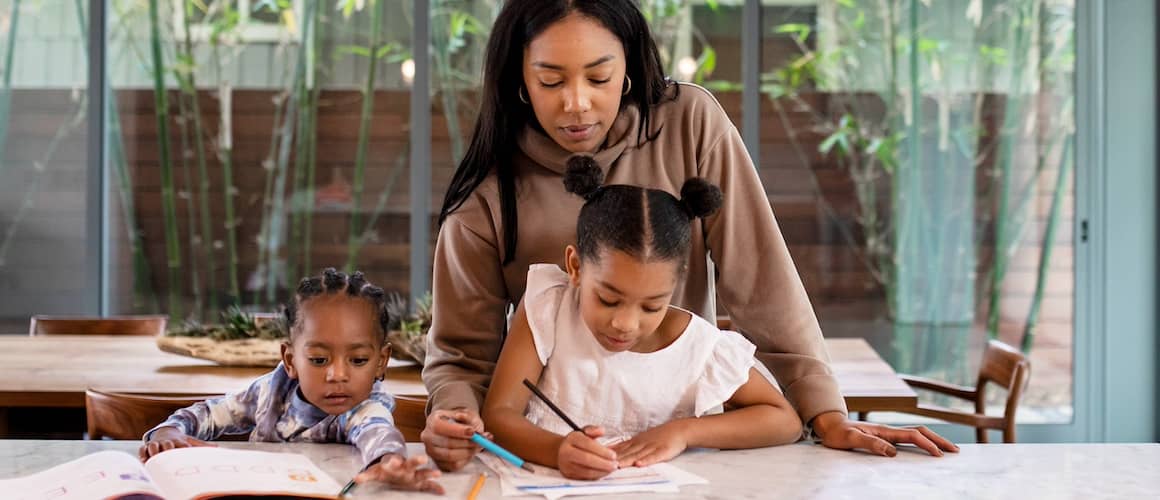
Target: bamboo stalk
[[161, 111], [312, 145], [277, 206], [189, 87], [302, 97], [368, 106], [1065, 164], [143, 297], [225, 156], [267, 199], [6, 90], [1006, 158], [191, 214]]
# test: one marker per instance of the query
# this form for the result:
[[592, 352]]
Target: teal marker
[[488, 445]]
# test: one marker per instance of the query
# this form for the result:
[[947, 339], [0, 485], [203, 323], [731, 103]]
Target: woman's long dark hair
[[502, 115]]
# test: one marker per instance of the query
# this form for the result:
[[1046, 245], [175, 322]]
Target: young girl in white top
[[602, 342]]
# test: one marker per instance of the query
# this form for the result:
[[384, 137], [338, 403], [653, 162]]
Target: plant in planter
[[408, 330], [242, 339]]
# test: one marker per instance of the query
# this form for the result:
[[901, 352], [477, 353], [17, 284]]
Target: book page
[[204, 472], [105, 474]]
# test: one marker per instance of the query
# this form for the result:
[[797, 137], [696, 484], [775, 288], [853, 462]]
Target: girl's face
[[623, 300], [574, 75], [336, 354]]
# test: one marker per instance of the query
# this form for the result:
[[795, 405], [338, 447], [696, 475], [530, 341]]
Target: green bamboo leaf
[[799, 31], [712, 5], [353, 49], [706, 63], [829, 142], [386, 49]]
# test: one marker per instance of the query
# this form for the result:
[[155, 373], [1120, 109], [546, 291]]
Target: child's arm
[[757, 415], [577, 455], [371, 428], [205, 421]]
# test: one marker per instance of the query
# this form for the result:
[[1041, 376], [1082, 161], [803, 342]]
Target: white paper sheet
[[548, 482]]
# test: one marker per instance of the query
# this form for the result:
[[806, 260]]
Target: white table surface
[[1021, 471]]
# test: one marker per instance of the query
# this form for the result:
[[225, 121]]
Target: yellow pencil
[[478, 486]]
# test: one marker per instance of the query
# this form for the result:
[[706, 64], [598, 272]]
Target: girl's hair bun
[[583, 176], [700, 198]]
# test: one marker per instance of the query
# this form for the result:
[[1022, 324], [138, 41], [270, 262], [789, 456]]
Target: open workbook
[[180, 474]]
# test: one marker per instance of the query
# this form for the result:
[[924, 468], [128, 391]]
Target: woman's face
[[574, 74]]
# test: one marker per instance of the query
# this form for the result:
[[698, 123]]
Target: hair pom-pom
[[583, 176], [333, 279], [700, 198]]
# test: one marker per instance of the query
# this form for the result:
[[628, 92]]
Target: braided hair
[[332, 282], [648, 224]]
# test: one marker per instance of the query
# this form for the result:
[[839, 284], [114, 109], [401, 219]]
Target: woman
[[584, 77]]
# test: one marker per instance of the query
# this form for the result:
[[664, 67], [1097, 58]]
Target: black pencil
[[536, 391]]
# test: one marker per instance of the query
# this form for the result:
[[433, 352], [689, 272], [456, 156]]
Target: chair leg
[[980, 435], [863, 415]]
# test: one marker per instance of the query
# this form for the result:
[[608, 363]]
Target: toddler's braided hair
[[331, 282]]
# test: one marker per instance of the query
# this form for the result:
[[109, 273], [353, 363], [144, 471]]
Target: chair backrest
[[410, 416], [91, 325], [1008, 368], [129, 416]]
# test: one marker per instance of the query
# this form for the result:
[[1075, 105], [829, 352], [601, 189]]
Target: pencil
[[536, 391], [346, 489], [500, 452], [478, 486]]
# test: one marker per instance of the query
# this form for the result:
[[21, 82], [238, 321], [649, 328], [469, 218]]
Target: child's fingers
[[168, 445], [431, 487], [588, 459], [593, 431], [586, 443]]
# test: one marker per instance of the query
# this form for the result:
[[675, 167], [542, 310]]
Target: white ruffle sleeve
[[546, 289], [726, 370]]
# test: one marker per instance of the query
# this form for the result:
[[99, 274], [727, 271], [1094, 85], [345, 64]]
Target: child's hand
[[167, 438], [659, 444], [581, 457], [403, 474]]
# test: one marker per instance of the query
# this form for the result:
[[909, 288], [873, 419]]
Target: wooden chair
[[91, 325], [1002, 365], [410, 416], [129, 416]]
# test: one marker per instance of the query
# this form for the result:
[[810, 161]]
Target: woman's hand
[[581, 457], [167, 438], [659, 444], [447, 437], [403, 474], [840, 433]]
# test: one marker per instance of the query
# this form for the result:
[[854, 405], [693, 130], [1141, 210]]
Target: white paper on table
[[548, 482]]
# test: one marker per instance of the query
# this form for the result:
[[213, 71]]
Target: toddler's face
[[336, 354], [622, 299]]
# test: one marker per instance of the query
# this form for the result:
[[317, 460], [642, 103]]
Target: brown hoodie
[[754, 274]]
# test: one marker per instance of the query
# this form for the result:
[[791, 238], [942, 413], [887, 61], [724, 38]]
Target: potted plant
[[242, 339]]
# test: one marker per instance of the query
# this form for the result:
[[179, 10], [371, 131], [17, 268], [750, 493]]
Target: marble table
[[802, 471]]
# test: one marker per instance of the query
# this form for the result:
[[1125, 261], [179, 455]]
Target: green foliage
[[411, 324], [235, 324]]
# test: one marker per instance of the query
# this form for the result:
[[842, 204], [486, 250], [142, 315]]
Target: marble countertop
[[802, 471]]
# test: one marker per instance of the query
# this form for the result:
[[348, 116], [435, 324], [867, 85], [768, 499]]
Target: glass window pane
[[44, 177], [273, 165], [919, 156]]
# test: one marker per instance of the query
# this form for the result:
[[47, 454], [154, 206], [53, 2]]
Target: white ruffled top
[[624, 392]]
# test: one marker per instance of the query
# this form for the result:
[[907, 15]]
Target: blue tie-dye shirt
[[273, 410]]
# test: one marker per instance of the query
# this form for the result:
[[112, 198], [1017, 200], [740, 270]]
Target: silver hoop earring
[[520, 93], [627, 85]]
